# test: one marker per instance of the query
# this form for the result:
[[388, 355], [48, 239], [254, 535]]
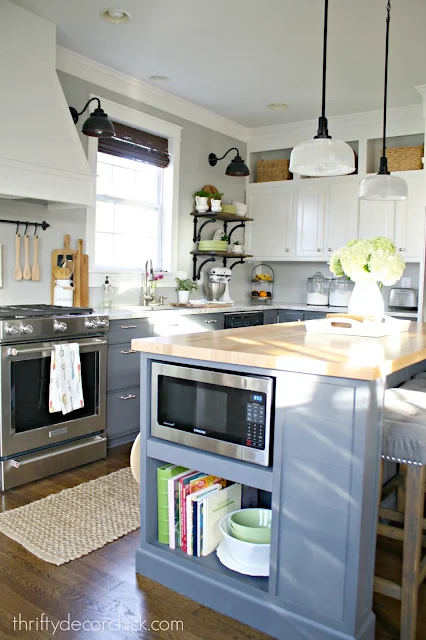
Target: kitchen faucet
[[148, 295]]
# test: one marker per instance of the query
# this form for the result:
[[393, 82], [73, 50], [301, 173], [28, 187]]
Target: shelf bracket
[[196, 273], [240, 261], [197, 236], [238, 226]]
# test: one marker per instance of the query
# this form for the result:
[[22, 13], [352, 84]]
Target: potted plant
[[201, 201], [237, 247], [216, 202], [183, 288]]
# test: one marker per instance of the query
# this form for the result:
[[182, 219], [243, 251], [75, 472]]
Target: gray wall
[[195, 172]]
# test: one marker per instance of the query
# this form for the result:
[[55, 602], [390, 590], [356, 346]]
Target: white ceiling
[[236, 56]]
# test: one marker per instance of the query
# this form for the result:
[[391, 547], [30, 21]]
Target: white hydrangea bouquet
[[370, 263], [371, 259]]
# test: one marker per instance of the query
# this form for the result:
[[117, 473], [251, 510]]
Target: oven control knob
[[59, 326], [27, 328], [103, 323], [91, 324], [11, 330]]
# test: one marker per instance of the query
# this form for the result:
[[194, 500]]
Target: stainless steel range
[[35, 443]]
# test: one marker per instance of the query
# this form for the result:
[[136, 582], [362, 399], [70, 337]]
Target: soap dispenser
[[107, 293]]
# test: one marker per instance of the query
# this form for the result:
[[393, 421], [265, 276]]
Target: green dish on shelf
[[229, 208]]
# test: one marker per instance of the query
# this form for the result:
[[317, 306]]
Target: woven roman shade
[[136, 145]]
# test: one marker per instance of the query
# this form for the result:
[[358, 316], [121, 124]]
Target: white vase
[[366, 300], [216, 206], [201, 204], [183, 297]]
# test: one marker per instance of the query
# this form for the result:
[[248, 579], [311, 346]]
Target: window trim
[[173, 132]]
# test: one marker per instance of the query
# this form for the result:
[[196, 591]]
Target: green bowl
[[253, 524], [264, 538]]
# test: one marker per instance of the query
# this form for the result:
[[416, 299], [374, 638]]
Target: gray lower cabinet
[[270, 316], [291, 315], [123, 415], [123, 365]]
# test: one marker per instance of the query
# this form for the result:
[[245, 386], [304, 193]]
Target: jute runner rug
[[76, 521]]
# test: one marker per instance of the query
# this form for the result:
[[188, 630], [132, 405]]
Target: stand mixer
[[223, 275]]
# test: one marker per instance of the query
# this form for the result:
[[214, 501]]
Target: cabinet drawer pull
[[129, 397], [129, 326], [401, 249], [319, 250], [129, 351], [209, 321], [330, 249], [288, 250]]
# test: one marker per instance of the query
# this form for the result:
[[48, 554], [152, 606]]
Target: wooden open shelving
[[209, 218]]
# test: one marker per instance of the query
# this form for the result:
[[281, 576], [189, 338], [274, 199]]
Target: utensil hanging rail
[[42, 225]]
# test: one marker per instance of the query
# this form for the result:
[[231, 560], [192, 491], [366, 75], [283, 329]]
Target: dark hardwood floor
[[103, 588]]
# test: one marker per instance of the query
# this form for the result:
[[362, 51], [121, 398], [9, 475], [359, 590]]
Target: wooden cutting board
[[81, 277], [58, 258]]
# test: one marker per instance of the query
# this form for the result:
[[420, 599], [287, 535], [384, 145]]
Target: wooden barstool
[[404, 442]]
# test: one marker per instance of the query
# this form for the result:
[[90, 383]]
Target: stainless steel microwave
[[224, 413]]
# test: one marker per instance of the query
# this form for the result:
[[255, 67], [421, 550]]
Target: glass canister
[[340, 291], [318, 287]]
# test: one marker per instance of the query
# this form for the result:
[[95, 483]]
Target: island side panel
[[328, 438]]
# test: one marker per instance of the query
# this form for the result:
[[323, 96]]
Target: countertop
[[287, 347], [122, 313]]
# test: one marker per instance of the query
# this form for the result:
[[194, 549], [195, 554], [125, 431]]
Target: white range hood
[[41, 156]]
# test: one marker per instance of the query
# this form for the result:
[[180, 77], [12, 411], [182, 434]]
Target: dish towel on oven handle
[[65, 389]]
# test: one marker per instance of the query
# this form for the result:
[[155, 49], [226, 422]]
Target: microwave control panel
[[255, 412]]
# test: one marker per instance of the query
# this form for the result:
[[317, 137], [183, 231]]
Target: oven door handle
[[83, 344]]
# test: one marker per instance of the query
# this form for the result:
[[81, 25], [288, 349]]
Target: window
[[128, 213]]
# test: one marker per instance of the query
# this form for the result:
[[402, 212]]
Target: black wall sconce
[[97, 125], [237, 167]]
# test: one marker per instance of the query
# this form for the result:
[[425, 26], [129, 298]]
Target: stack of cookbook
[[190, 506]]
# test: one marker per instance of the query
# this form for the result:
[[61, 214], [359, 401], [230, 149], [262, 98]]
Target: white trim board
[[404, 119], [99, 74], [157, 126]]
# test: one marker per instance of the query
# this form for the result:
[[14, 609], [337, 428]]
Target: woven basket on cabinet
[[405, 158], [272, 170]]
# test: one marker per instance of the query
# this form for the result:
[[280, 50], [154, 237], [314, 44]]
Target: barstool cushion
[[404, 425]]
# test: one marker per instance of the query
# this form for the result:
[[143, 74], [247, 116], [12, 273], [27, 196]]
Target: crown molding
[[99, 74], [363, 119]]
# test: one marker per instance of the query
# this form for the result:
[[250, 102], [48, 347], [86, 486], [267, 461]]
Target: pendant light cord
[[322, 122], [383, 160], [324, 59]]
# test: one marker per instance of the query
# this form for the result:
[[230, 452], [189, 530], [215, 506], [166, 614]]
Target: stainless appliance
[[403, 299], [33, 442], [214, 290], [224, 413], [243, 319], [222, 275]]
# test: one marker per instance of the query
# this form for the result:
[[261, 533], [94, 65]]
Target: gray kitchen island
[[323, 478]]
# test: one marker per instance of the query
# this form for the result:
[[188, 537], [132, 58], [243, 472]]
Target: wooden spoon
[[17, 272], [27, 270], [35, 271]]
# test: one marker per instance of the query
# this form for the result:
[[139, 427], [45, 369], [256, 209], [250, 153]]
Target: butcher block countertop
[[287, 347]]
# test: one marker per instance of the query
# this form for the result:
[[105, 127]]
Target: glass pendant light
[[383, 186], [323, 156]]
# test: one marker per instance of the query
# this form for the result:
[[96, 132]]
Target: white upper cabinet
[[410, 221], [341, 215], [270, 235], [376, 219], [310, 220]]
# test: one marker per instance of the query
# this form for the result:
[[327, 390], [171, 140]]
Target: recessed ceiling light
[[114, 15], [159, 78], [277, 106]]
